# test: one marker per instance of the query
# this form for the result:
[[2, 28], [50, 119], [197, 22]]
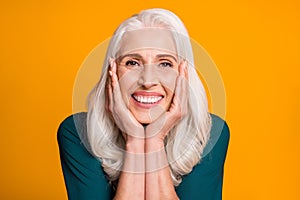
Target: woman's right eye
[[132, 63]]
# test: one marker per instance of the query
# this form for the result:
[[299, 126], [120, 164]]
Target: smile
[[147, 99]]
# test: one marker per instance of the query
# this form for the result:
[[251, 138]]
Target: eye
[[166, 64], [131, 63]]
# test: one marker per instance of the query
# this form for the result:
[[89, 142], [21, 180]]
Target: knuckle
[[177, 115]]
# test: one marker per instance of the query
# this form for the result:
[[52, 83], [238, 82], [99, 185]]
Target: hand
[[123, 118], [157, 130]]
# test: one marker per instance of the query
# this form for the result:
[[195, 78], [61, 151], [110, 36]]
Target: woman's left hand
[[157, 130]]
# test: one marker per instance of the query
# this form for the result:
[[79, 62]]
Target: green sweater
[[86, 180]]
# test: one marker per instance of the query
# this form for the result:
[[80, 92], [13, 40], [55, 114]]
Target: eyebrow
[[166, 55], [136, 55]]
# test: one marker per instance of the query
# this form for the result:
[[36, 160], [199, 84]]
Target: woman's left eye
[[166, 64]]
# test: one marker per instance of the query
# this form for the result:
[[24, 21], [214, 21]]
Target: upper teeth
[[147, 99]]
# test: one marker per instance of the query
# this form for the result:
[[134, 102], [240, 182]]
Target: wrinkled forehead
[[147, 38]]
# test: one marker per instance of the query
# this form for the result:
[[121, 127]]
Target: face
[[147, 73]]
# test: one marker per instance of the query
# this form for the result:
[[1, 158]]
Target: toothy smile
[[147, 99]]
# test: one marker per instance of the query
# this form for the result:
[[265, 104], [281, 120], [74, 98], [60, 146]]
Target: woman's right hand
[[123, 118]]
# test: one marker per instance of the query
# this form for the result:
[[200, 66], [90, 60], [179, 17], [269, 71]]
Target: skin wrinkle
[[149, 74], [166, 146], [149, 47], [133, 79], [156, 38]]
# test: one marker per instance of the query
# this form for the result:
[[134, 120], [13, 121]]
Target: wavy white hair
[[186, 141]]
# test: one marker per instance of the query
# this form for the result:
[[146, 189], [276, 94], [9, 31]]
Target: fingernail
[[110, 73]]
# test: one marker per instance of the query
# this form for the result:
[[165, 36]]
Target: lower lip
[[145, 105]]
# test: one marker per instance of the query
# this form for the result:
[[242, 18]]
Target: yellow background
[[254, 43]]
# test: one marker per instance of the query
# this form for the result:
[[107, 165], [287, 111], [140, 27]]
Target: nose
[[148, 77]]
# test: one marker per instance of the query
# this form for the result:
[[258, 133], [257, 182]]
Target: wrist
[[135, 145], [156, 159], [154, 144], [134, 156]]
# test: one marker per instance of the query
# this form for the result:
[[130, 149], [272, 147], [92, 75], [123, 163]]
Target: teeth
[[148, 99]]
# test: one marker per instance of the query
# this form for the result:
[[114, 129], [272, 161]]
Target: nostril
[[149, 84], [148, 77]]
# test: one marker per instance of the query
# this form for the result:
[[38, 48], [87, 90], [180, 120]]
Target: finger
[[116, 91], [106, 97], [183, 69], [178, 88], [184, 97], [113, 72], [106, 94], [183, 80], [183, 84], [179, 104], [186, 75], [110, 95], [107, 88]]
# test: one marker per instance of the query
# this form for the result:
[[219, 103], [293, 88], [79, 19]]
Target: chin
[[144, 120], [146, 113], [145, 117]]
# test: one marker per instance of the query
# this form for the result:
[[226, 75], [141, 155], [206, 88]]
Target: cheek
[[168, 78], [128, 78], [128, 81]]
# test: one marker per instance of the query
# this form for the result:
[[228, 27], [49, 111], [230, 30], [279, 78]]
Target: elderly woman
[[147, 133]]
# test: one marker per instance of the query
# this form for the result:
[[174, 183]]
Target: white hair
[[186, 141]]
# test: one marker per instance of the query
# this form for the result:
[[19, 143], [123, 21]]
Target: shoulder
[[83, 174], [219, 127], [71, 120], [206, 179], [219, 137], [72, 126]]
